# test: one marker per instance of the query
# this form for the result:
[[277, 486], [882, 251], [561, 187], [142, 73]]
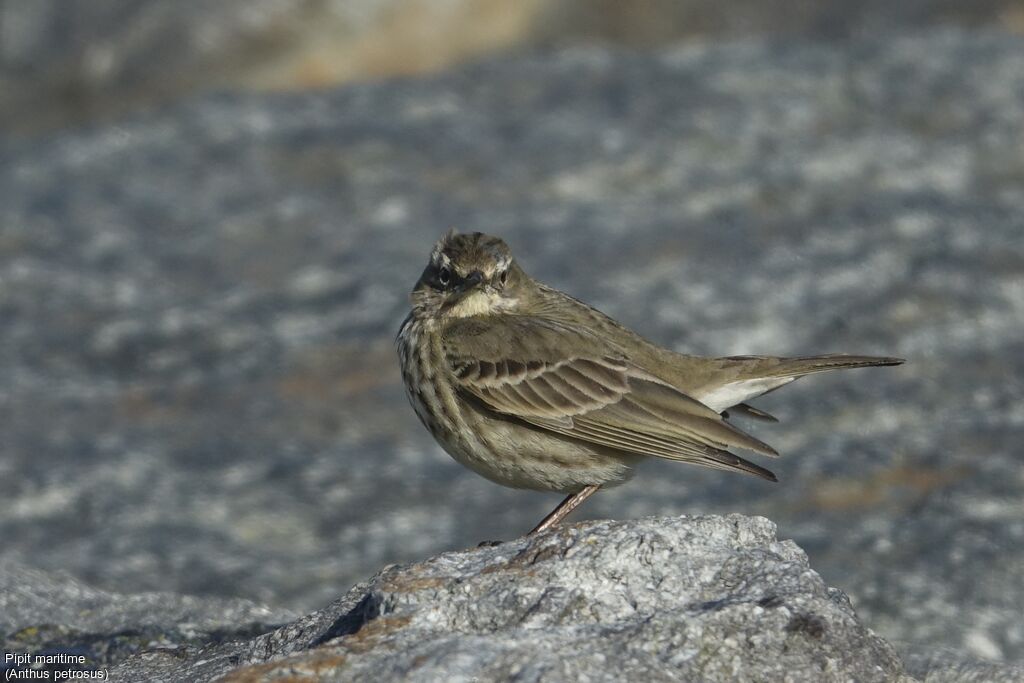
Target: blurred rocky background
[[64, 62], [211, 215]]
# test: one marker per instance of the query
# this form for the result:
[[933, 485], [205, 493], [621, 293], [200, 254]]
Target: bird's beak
[[465, 287], [471, 281]]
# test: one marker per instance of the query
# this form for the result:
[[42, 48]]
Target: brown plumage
[[534, 389]]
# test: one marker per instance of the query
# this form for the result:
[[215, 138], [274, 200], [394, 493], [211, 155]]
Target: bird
[[534, 389]]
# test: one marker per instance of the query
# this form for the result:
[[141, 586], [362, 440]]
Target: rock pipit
[[533, 389]]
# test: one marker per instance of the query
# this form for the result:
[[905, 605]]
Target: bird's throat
[[479, 302]]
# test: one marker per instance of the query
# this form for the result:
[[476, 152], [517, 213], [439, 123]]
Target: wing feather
[[568, 381]]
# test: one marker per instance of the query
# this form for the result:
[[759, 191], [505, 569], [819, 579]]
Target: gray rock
[[658, 599], [44, 613], [198, 389]]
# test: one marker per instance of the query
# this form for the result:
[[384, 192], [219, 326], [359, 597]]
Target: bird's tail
[[748, 377], [806, 365]]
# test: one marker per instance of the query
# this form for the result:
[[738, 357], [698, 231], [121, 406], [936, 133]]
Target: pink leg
[[564, 508]]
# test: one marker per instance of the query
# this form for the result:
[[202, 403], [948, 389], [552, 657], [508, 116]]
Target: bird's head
[[471, 274]]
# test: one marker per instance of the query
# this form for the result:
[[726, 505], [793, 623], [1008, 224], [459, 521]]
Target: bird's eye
[[445, 276]]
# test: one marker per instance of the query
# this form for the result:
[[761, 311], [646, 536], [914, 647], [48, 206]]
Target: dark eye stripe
[[434, 278]]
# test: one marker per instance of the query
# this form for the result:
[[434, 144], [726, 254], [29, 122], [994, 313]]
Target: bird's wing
[[570, 381]]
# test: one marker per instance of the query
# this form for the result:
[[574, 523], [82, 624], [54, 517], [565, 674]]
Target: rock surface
[[198, 389], [48, 613], [658, 599]]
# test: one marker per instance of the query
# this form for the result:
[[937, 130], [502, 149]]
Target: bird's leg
[[571, 502]]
